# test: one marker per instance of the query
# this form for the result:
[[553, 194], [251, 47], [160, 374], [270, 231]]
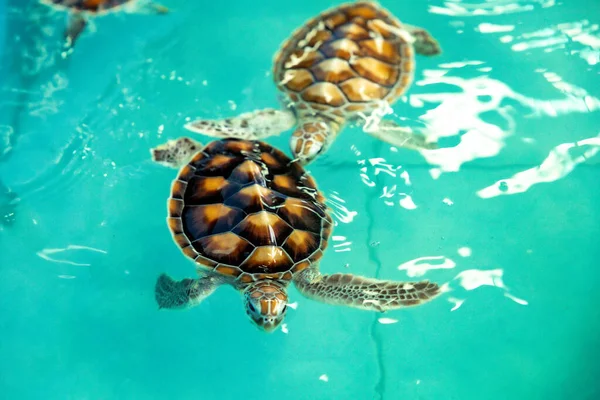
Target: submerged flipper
[[75, 26], [250, 126], [175, 153], [424, 43], [186, 293], [364, 293], [396, 135]]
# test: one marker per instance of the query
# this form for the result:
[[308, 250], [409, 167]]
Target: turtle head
[[312, 138], [266, 304]]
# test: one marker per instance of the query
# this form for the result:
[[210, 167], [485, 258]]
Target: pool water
[[506, 214]]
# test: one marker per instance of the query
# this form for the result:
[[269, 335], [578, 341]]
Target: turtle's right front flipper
[[173, 294], [249, 126], [75, 26]]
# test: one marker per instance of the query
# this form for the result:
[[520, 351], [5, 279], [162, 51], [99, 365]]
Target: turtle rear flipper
[[75, 26], [424, 44], [364, 293], [248, 126], [186, 293]]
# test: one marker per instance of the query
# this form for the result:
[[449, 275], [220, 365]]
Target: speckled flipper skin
[[364, 293], [252, 125], [173, 294], [175, 153]]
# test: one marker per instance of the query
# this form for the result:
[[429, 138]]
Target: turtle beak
[[269, 327]]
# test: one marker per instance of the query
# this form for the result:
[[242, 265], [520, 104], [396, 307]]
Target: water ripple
[[559, 163], [337, 207], [459, 8], [460, 114], [69, 167], [50, 255]]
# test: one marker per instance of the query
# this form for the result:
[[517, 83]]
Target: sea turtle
[[342, 66], [251, 218], [80, 10]]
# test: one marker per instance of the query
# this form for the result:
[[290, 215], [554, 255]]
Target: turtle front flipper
[[424, 43], [175, 153], [75, 26], [186, 293], [364, 293], [399, 136], [249, 126]]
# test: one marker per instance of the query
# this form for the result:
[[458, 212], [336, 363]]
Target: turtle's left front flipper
[[399, 136], [364, 293], [186, 293], [252, 125]]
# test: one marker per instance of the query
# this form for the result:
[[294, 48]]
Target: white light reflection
[[457, 303], [459, 113], [465, 252], [341, 245], [459, 8], [46, 254], [387, 321], [469, 279], [339, 210], [369, 168], [559, 36], [557, 165], [407, 202], [474, 278], [419, 266], [492, 28]]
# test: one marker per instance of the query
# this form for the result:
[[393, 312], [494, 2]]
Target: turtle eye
[[284, 308], [251, 307]]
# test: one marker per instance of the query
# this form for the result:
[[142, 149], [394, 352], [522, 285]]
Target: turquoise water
[[507, 215]]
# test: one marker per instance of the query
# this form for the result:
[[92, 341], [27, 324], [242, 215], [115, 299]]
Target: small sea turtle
[[80, 10], [251, 218], [341, 66]]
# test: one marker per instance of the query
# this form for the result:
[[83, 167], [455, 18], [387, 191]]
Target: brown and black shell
[[92, 6], [345, 60], [243, 209]]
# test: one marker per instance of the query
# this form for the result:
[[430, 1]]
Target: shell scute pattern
[[243, 209], [346, 60]]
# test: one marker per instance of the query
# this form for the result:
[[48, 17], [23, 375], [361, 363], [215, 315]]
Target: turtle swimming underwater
[[251, 218], [339, 67], [80, 10]]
